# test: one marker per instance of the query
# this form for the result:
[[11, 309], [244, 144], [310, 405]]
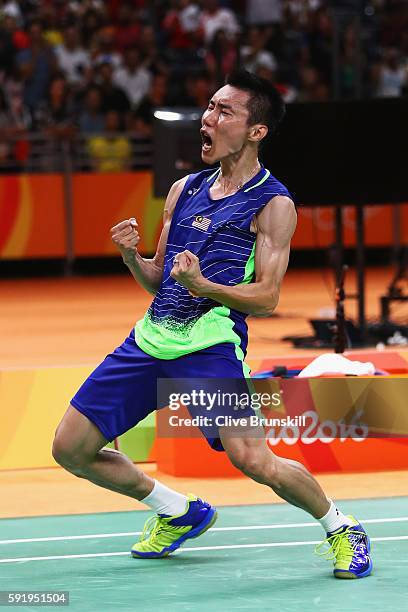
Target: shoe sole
[[201, 528]]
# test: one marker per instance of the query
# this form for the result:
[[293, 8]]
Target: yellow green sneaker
[[349, 549], [163, 534]]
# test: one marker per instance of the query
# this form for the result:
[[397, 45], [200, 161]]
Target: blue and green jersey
[[218, 232]]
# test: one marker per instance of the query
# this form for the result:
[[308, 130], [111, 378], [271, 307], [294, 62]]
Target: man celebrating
[[222, 254]]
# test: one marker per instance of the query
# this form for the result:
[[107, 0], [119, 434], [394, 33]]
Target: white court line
[[239, 528], [196, 548]]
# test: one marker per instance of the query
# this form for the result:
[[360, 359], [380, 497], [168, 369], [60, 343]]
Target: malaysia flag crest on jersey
[[202, 223]]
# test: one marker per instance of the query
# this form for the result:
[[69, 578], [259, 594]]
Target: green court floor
[[255, 558]]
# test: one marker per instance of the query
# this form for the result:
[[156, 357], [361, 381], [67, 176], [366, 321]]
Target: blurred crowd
[[100, 68]]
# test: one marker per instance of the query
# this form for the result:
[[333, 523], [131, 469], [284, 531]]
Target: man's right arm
[[147, 272]]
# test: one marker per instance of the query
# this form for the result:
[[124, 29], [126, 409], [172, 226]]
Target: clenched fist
[[126, 237], [186, 271]]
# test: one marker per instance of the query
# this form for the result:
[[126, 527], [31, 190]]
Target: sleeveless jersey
[[218, 232]]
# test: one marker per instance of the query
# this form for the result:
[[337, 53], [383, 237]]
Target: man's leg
[[78, 447], [249, 452], [116, 396]]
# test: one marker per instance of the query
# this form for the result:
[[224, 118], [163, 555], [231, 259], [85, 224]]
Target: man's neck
[[236, 171]]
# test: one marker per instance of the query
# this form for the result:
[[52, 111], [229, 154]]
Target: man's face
[[224, 124]]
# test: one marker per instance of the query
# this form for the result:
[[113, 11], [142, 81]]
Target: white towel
[[333, 363]]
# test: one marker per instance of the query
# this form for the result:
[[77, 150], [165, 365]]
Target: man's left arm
[[275, 226]]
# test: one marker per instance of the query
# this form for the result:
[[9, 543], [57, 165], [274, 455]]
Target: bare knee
[[256, 463], [76, 443], [69, 457]]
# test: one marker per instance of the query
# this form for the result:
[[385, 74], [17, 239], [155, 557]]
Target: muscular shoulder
[[174, 193], [277, 218]]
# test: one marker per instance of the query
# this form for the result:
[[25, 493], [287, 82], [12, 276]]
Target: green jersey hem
[[171, 339]]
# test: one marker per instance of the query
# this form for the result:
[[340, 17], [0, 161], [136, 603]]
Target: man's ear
[[257, 132]]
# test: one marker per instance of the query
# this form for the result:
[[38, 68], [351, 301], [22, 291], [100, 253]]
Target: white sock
[[165, 501], [334, 519]]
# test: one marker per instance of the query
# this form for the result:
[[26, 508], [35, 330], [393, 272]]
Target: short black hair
[[265, 104]]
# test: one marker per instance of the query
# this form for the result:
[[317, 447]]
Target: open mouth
[[207, 142]]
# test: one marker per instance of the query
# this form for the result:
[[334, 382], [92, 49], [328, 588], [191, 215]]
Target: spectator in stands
[[295, 47], [312, 86], [110, 152], [113, 97], [141, 122], [349, 60], [221, 57], [19, 115], [90, 73], [288, 42], [55, 116], [268, 16], [15, 121], [389, 76], [153, 59], [268, 70], [91, 23], [36, 65], [48, 14], [13, 86], [7, 47], [72, 59], [199, 88], [214, 18], [91, 119], [319, 37], [106, 51], [14, 36], [253, 54], [11, 8], [128, 28], [133, 78], [182, 25]]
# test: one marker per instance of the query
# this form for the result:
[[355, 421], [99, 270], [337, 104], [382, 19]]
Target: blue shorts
[[122, 390]]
